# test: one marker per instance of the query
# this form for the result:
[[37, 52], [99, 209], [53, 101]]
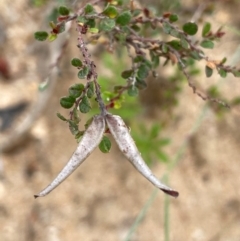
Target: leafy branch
[[138, 30]]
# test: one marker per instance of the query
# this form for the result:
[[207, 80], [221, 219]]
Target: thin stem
[[141, 215], [166, 212], [174, 163], [92, 68]]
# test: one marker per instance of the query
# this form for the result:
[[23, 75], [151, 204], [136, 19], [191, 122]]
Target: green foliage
[[83, 72], [52, 37], [41, 36], [124, 18], [63, 10], [61, 117], [110, 11], [208, 71], [67, 102], [150, 143], [206, 29], [190, 28], [107, 24], [173, 18], [222, 73], [207, 44], [76, 90], [151, 42], [133, 91], [84, 105], [105, 145], [89, 9], [76, 62], [90, 91]]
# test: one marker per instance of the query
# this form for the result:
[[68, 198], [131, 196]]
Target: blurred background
[[190, 144]]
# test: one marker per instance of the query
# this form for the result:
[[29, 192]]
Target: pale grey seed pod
[[127, 146], [90, 140]]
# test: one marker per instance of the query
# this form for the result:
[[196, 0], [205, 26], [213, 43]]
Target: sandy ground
[[102, 199]]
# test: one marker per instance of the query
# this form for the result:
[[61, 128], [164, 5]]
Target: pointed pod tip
[[171, 192], [36, 196]]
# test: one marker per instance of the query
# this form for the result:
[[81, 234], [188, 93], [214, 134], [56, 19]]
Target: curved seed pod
[[89, 142], [127, 146]]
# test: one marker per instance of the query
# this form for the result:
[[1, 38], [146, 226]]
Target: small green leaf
[[142, 71], [73, 127], [53, 15], [107, 24], [174, 33], [117, 88], [124, 18], [76, 62], [236, 73], [93, 30], [141, 84], [52, 37], [136, 28], [89, 9], [138, 59], [224, 60], [208, 71], [207, 44], [88, 123], [52, 25], [91, 23], [76, 118], [62, 27], [43, 85], [107, 95], [82, 19], [154, 59], [195, 55], [90, 91], [83, 72], [173, 18], [67, 102], [61, 117], [190, 28], [105, 145], [222, 73], [136, 12], [76, 90], [167, 28], [132, 91], [164, 48], [84, 105], [127, 73], [79, 135], [184, 43], [206, 29], [175, 44], [63, 10], [40, 36], [110, 11]]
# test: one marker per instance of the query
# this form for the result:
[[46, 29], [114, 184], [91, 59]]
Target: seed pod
[[127, 146], [89, 142]]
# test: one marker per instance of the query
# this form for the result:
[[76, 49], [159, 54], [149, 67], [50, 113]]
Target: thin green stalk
[[166, 213], [175, 161], [141, 215]]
